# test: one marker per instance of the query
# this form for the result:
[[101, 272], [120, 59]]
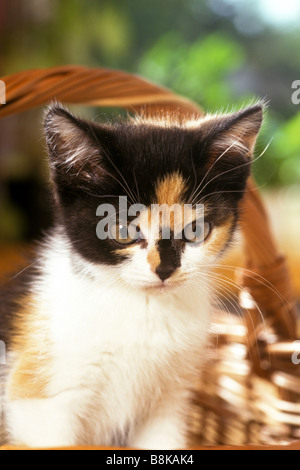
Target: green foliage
[[199, 70], [287, 151]]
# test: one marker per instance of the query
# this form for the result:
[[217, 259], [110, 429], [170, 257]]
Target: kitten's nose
[[164, 272]]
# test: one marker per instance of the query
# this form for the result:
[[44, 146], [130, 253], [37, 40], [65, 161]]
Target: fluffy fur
[[105, 340]]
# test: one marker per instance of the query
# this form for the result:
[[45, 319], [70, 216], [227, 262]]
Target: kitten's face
[[200, 166]]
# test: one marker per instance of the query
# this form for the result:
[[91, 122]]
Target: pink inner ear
[[240, 136], [74, 152], [228, 144]]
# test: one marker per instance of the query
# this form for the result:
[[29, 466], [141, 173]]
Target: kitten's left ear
[[235, 133], [74, 150]]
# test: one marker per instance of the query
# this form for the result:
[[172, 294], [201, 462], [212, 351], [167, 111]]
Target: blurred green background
[[220, 53]]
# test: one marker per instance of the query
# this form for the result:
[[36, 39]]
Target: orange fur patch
[[153, 259], [30, 372], [127, 250], [170, 190], [219, 237]]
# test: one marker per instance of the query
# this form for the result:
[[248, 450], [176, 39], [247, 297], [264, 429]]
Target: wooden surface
[[295, 446]]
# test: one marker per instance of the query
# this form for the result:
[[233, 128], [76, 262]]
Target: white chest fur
[[101, 322], [117, 355]]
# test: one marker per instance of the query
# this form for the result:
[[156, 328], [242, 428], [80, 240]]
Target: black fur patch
[[170, 257]]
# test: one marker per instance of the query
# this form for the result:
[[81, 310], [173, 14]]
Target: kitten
[[105, 336]]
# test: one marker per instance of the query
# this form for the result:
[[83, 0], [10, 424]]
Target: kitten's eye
[[124, 234], [197, 232]]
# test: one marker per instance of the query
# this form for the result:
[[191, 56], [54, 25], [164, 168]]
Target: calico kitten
[[106, 335]]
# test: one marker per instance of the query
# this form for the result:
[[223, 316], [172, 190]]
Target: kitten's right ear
[[74, 150]]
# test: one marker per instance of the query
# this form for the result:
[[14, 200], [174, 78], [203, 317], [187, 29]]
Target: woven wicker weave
[[250, 392]]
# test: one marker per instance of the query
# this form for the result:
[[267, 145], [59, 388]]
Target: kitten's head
[[201, 166]]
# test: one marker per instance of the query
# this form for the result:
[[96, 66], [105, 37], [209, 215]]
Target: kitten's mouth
[[163, 286]]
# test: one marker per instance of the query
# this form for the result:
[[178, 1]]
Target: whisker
[[221, 281], [195, 176], [210, 168], [250, 162], [137, 187], [128, 190], [262, 280], [25, 269], [243, 191]]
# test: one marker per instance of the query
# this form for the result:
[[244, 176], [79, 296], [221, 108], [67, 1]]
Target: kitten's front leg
[[37, 423], [166, 428]]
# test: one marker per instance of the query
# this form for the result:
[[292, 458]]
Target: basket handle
[[266, 275], [88, 86]]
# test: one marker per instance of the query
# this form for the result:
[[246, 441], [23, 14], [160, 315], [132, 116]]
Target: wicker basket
[[250, 391]]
